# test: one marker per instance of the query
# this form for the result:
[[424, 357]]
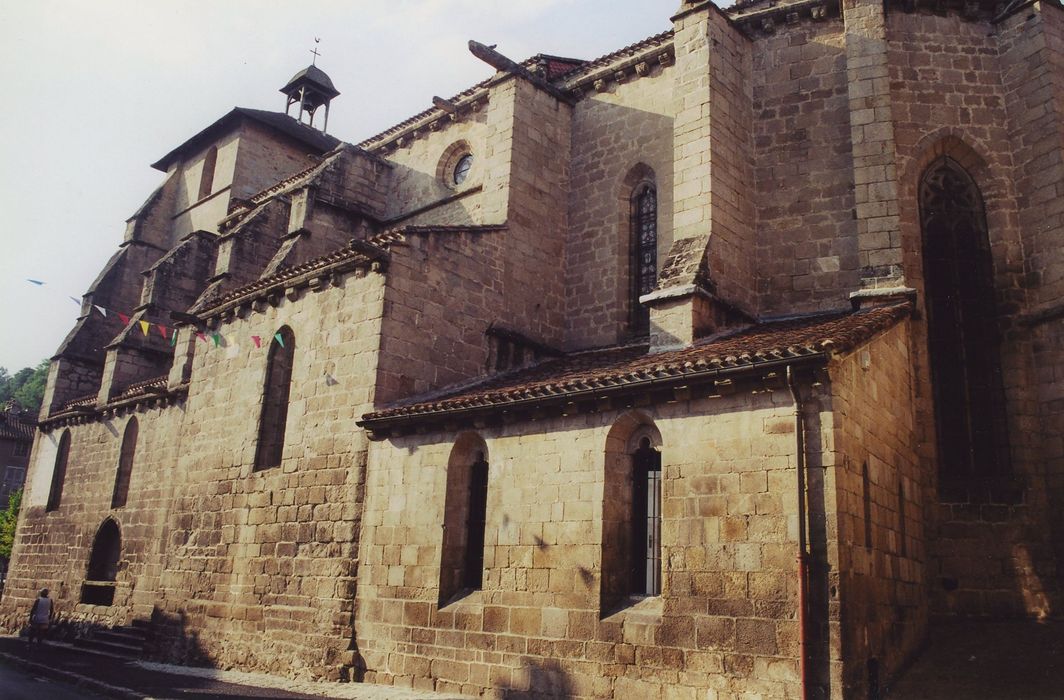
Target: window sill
[[641, 609], [467, 600]]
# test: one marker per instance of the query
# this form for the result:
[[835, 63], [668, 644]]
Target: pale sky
[[98, 90]]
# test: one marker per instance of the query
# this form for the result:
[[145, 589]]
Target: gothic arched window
[[125, 464], [644, 254], [275, 399], [55, 493], [963, 340]]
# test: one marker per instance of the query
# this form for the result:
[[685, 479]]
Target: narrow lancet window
[[274, 414], [473, 565], [644, 254], [125, 464], [55, 493], [207, 172]]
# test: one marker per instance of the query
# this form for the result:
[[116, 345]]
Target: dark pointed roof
[[315, 77], [318, 141]]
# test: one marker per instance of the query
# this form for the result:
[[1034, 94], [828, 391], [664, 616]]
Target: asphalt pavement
[[87, 674], [19, 684]]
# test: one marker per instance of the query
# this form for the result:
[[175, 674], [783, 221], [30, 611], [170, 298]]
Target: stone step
[[121, 635], [129, 650]]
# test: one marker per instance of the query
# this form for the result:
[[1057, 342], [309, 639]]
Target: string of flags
[[167, 332]]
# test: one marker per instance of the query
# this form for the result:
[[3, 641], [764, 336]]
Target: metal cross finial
[[314, 51]]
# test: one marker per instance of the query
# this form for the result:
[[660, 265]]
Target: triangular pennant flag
[[122, 317], [202, 336], [102, 310], [279, 339], [173, 338], [74, 300], [36, 282], [217, 339], [257, 340], [144, 326], [232, 350], [162, 329]]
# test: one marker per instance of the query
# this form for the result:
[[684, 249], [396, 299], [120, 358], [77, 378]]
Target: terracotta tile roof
[[356, 253], [601, 371], [622, 53], [87, 400], [148, 386], [347, 255], [18, 428]]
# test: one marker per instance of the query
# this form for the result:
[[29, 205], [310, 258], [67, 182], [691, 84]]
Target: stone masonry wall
[[418, 177], [803, 170], [883, 556], [614, 131], [725, 621], [443, 291], [951, 86], [261, 565], [52, 548]]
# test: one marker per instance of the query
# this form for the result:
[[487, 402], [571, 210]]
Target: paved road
[[17, 684], [118, 678]]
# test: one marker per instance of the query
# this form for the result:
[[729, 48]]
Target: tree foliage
[[8, 520], [26, 386]]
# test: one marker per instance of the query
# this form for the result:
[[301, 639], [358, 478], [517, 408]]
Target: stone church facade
[[719, 366]]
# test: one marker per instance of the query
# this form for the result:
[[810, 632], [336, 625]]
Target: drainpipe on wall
[[803, 554]]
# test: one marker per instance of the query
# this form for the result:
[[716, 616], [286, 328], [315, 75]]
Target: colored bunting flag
[[173, 338], [217, 339], [144, 326], [162, 329], [123, 318], [202, 336], [279, 339], [257, 340], [102, 310]]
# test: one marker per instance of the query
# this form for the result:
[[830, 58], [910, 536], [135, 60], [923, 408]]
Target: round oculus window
[[461, 169]]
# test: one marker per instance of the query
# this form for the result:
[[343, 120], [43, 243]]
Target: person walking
[[41, 615]]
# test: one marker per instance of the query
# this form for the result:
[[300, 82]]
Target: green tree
[[30, 391], [5, 385], [8, 520]]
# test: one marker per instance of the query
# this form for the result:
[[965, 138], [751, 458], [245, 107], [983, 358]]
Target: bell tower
[[310, 88]]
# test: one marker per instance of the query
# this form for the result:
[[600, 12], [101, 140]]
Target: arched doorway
[[99, 586]]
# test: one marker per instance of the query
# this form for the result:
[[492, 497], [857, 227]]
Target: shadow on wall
[[537, 679], [172, 641]]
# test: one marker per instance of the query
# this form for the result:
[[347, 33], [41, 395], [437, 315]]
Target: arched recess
[[631, 513], [62, 456], [125, 464], [99, 586], [963, 339], [464, 518], [638, 212], [210, 162], [275, 394]]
